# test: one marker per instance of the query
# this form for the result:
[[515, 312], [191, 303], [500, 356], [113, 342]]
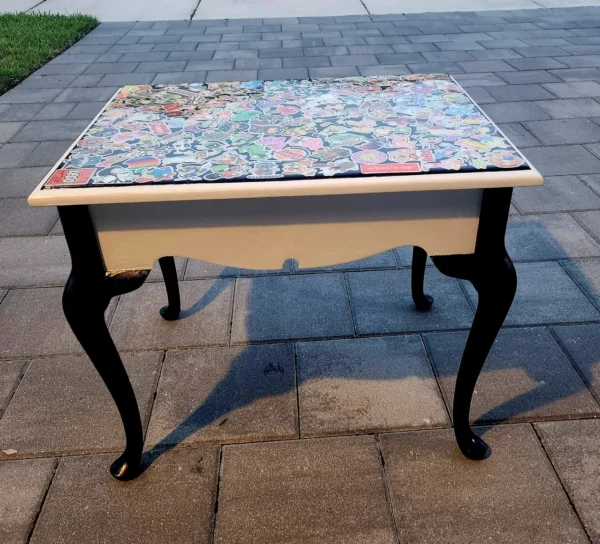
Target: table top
[[277, 138]]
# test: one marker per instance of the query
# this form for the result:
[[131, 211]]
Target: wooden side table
[[252, 174]]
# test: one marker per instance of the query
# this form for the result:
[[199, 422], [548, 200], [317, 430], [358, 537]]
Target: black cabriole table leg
[[493, 276], [169, 272], [422, 301], [86, 296]]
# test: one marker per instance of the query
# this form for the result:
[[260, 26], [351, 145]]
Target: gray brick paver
[[369, 49], [13, 154], [23, 486], [47, 153], [334, 71], [209, 38], [565, 131], [110, 57], [44, 131], [412, 47], [494, 54], [112, 68], [19, 112], [584, 61], [355, 40], [86, 94], [180, 77], [148, 56], [538, 381], [248, 37], [190, 390], [487, 65], [236, 54], [545, 294], [264, 44], [196, 66], [421, 466], [517, 133], [311, 483], [174, 501], [161, 66], [398, 58], [72, 391], [327, 51], [533, 52], [258, 64], [341, 391], [32, 96], [573, 449], [181, 46], [437, 67], [214, 76], [502, 44], [19, 182], [306, 62], [48, 82], [576, 74], [528, 77], [536, 63], [314, 42], [548, 236], [570, 107], [386, 69], [512, 93], [357, 60], [458, 46], [281, 53]]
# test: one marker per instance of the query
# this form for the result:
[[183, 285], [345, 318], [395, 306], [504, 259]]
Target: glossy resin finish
[[285, 130]]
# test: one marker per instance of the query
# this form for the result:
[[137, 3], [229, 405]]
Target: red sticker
[[159, 128], [389, 168], [75, 176]]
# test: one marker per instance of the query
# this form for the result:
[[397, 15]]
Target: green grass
[[28, 41]]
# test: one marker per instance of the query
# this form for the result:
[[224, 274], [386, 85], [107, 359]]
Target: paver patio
[[253, 400]]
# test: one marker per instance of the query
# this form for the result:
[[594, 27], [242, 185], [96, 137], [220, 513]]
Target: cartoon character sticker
[[290, 154], [505, 159], [369, 157], [347, 139], [330, 154], [265, 170]]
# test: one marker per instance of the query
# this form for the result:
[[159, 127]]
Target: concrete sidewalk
[[143, 10], [312, 406]]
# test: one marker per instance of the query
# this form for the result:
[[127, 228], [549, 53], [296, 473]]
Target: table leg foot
[[127, 467], [495, 281], [169, 271], [472, 446], [422, 301]]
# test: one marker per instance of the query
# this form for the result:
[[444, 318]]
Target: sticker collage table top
[[223, 133]]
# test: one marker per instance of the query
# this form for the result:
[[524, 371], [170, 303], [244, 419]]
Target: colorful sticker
[[505, 159], [142, 162], [369, 157], [70, 177], [159, 128], [290, 154], [223, 132]]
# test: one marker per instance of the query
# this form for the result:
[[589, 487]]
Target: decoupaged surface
[[288, 129]]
